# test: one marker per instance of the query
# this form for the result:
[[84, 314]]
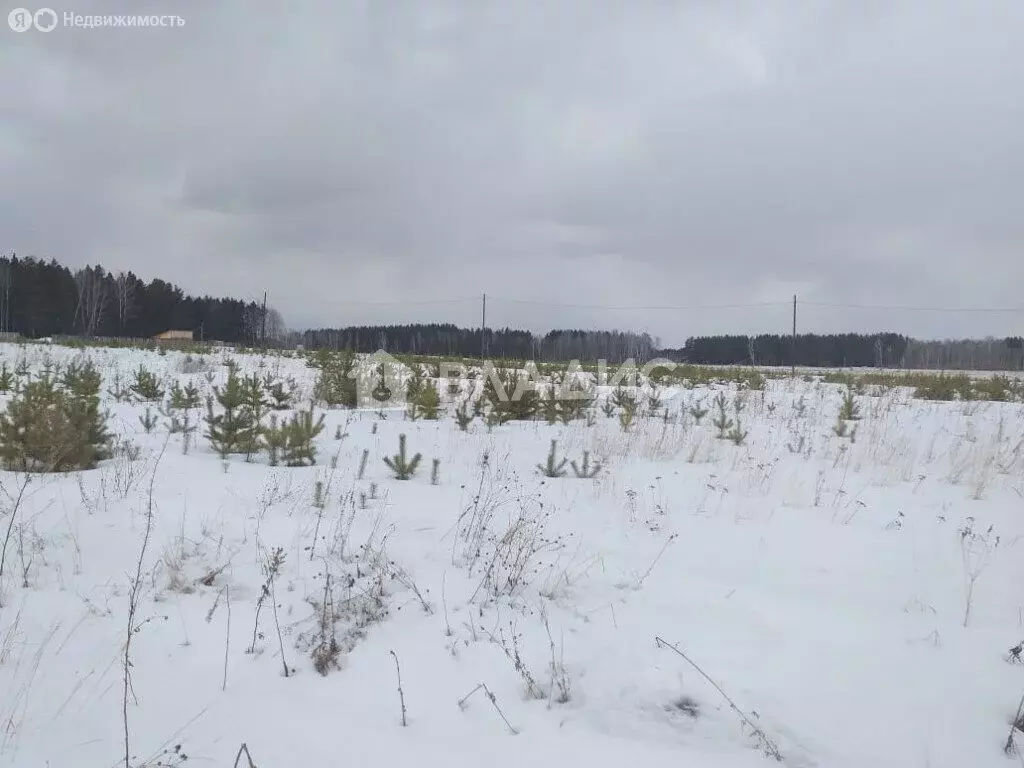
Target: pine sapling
[[119, 391], [255, 397], [82, 379], [576, 403], [148, 420], [183, 425], [402, 466], [722, 421], [435, 472], [586, 469], [46, 428], [183, 398], [426, 402], [275, 438], [622, 398], [550, 407], [737, 435], [301, 431], [553, 467], [849, 410], [281, 395], [463, 416], [146, 386], [608, 408], [233, 430], [362, 464]]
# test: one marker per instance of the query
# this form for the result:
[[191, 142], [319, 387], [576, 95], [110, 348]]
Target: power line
[[1003, 310], [459, 300], [671, 307]]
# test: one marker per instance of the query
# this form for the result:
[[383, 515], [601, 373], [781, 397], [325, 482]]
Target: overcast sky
[[658, 158]]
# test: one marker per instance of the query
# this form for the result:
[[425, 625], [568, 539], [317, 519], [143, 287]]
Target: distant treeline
[[40, 299], [883, 350], [44, 298], [450, 340], [880, 350]]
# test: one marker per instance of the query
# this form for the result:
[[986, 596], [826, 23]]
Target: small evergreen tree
[[183, 398], [513, 398], [553, 467], [550, 407], [233, 430], [416, 383], [849, 410], [425, 403], [281, 393], [118, 390], [402, 466], [88, 427], [275, 438], [181, 401], [336, 385], [722, 421], [148, 420], [302, 430], [146, 386], [628, 405], [621, 397], [6, 378], [737, 435], [82, 379], [48, 429], [463, 416], [585, 469], [576, 401]]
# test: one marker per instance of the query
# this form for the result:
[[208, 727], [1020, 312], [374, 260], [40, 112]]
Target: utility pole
[[483, 328], [263, 330], [793, 359]]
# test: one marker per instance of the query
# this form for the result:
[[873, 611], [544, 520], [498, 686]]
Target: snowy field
[[821, 583]]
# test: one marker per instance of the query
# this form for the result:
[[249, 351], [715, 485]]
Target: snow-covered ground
[[821, 582]]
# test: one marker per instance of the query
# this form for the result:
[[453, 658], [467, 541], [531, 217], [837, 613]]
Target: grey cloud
[[571, 152]]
